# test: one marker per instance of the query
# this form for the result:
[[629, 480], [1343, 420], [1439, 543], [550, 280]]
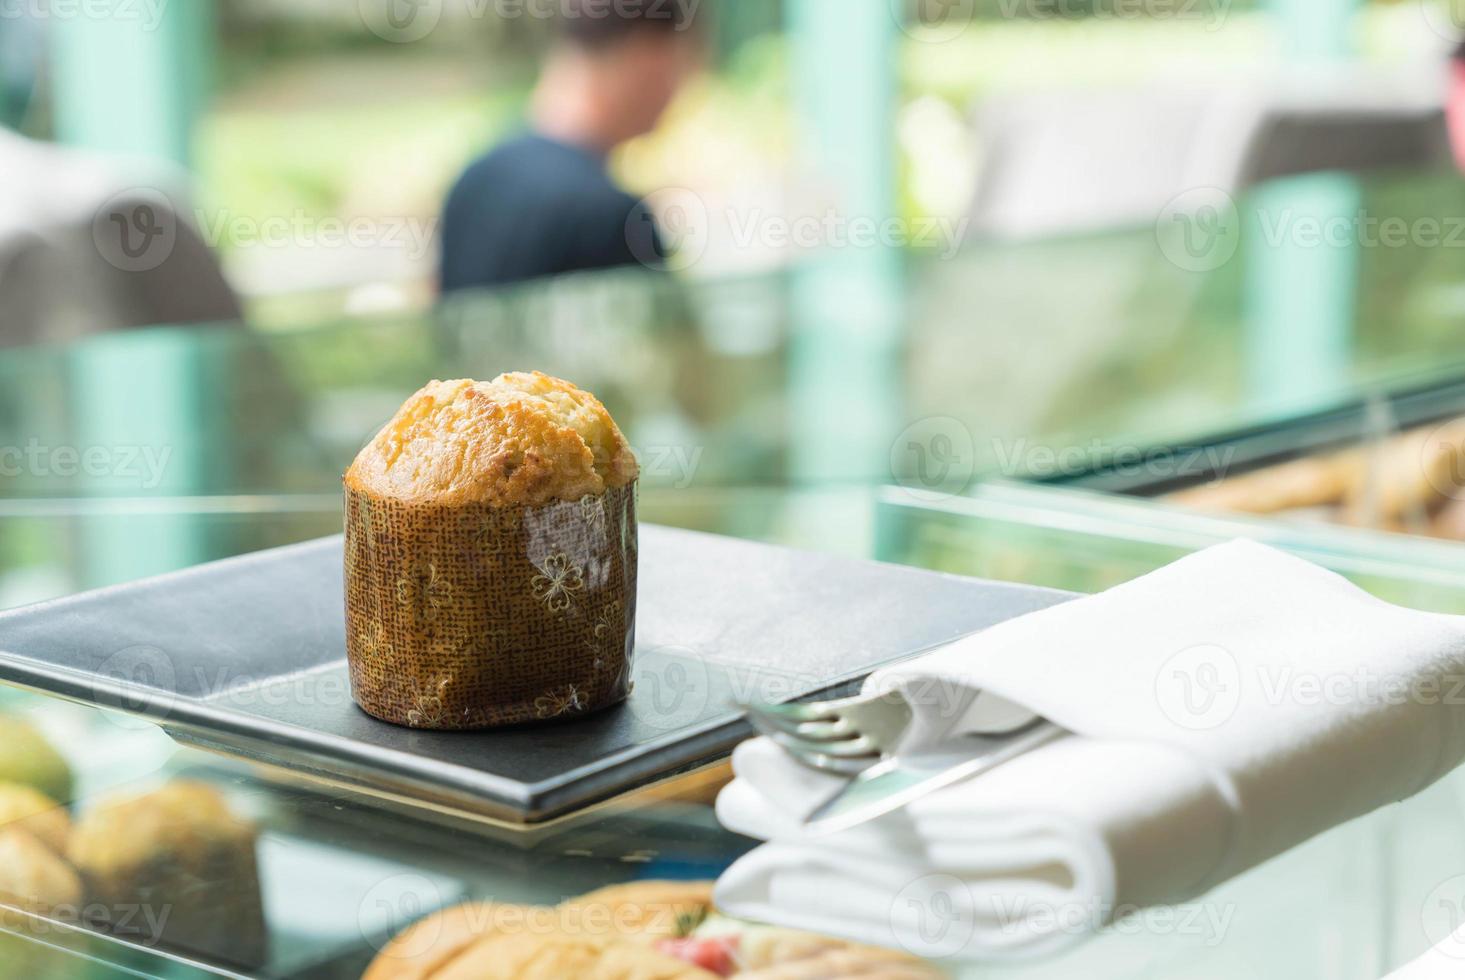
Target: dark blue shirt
[[534, 207]]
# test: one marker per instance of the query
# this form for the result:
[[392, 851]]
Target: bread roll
[[649, 930], [427, 946], [491, 557], [26, 757], [175, 860], [33, 877], [524, 956], [646, 909], [26, 808]]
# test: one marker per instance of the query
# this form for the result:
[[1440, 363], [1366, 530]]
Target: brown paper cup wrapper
[[476, 616]]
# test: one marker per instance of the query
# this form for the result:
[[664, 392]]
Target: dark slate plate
[[248, 655]]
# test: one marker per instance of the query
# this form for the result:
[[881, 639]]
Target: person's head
[[636, 55]]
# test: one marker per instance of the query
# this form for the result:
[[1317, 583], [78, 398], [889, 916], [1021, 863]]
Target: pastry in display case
[[491, 557], [27, 758], [1413, 482], [647, 930], [1390, 462], [173, 867]]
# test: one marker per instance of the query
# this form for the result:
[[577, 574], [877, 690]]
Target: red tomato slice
[[714, 954]]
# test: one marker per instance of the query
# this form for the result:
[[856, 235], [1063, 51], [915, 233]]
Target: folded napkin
[[1445, 962], [1225, 708]]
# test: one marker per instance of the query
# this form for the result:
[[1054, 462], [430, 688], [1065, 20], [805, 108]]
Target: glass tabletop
[[336, 874]]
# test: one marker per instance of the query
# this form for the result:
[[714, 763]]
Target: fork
[[857, 738], [849, 735], [844, 736]]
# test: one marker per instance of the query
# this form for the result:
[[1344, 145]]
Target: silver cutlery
[[846, 736], [901, 779], [858, 736]]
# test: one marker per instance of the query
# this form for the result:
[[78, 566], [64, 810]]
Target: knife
[[892, 783]]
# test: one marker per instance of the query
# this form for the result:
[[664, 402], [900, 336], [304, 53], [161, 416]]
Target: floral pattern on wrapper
[[474, 617]]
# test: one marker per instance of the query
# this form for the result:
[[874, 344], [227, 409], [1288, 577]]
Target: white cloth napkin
[[1225, 708], [1445, 962]]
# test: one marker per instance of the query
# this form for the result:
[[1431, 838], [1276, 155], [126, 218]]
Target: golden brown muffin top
[[520, 439], [184, 821]]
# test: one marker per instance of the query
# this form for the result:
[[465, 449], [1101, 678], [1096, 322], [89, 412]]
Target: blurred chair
[[1066, 162], [61, 278], [1290, 142], [1081, 161]]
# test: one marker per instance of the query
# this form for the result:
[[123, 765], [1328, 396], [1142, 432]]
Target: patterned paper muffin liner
[[476, 616]]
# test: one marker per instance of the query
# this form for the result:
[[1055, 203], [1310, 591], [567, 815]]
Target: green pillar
[[131, 76], [845, 400], [1301, 286], [1301, 292], [138, 400]]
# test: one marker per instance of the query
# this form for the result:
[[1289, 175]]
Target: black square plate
[[248, 655]]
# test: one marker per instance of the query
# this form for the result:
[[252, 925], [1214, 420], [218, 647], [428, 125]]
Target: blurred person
[[1455, 104], [543, 203]]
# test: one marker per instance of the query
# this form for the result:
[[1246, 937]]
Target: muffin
[[491, 557], [183, 857]]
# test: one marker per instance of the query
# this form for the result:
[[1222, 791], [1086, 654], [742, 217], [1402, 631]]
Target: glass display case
[[338, 872], [144, 452]]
